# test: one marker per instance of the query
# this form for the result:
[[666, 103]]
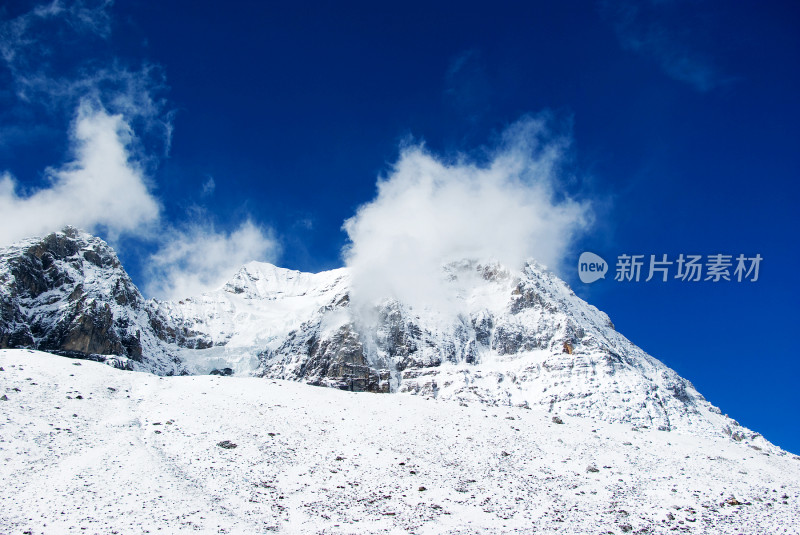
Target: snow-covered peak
[[261, 280]]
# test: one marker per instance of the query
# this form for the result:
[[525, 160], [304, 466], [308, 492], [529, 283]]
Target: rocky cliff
[[67, 292]]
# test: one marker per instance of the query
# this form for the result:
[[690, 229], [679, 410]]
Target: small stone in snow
[[226, 444], [557, 420], [4, 398], [422, 489]]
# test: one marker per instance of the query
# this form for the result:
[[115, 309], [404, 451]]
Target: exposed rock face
[[68, 292], [339, 361], [509, 337]]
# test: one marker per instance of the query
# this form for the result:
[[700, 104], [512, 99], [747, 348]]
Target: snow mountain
[[516, 338]]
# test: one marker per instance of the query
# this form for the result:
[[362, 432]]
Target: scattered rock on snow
[[226, 444], [557, 420]]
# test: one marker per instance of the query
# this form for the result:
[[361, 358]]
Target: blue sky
[[254, 131]]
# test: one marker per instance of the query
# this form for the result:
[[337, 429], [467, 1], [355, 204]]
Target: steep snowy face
[[524, 338], [68, 292], [252, 315]]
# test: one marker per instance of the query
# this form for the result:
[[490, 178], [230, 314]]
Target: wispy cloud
[[28, 38], [642, 27], [32, 44], [102, 187], [208, 186], [58, 57], [198, 258], [429, 212]]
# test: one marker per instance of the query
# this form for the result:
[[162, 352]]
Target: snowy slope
[[91, 449]]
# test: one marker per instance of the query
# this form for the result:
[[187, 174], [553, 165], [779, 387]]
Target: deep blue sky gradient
[[683, 117]]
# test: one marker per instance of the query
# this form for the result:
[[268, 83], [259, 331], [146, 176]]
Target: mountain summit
[[506, 337]]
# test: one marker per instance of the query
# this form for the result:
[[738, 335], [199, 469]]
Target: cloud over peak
[[198, 258], [429, 212]]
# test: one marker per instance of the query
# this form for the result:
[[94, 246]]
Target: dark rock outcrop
[[67, 292]]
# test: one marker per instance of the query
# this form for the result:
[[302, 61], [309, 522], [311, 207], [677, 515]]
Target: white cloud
[[103, 187], [198, 258], [429, 212], [98, 102]]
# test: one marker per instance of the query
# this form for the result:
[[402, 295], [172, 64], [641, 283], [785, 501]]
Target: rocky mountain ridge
[[508, 337]]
